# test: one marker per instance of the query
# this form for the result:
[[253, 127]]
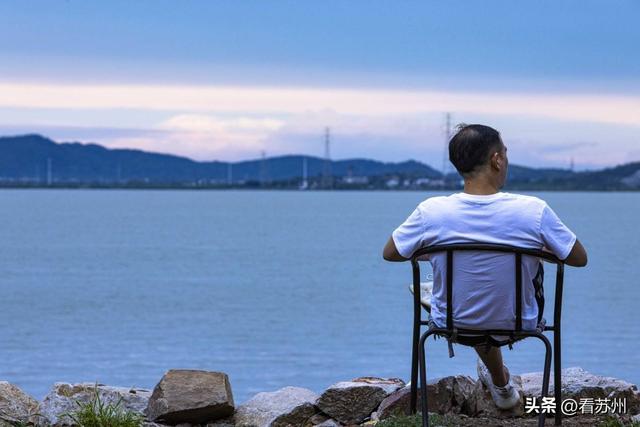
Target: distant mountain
[[623, 177], [31, 157], [34, 160]]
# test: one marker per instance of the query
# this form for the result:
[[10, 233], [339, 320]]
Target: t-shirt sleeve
[[409, 235], [556, 236]]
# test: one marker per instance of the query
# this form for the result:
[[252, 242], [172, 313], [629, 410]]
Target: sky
[[228, 80]]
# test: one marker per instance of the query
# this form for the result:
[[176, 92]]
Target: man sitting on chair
[[483, 291]]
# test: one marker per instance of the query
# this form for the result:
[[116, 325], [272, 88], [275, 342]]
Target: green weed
[[610, 421], [96, 413], [415, 421]]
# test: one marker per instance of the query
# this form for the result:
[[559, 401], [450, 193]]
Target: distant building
[[392, 183], [420, 182], [355, 180], [632, 180]]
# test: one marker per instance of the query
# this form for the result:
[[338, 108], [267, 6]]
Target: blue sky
[[227, 80]]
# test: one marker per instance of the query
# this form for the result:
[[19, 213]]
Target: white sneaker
[[505, 397]]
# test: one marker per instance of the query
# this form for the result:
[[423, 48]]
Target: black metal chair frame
[[450, 332]]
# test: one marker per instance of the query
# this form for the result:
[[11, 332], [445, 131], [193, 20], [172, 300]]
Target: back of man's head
[[471, 147]]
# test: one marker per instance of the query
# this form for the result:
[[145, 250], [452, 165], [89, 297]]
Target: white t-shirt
[[484, 282]]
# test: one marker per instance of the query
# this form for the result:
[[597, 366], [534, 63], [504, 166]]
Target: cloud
[[211, 124], [238, 122], [571, 146], [278, 100]]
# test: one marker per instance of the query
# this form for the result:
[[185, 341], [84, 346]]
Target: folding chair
[[450, 332]]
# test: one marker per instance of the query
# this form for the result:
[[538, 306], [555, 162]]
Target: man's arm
[[407, 237], [578, 255], [390, 252], [557, 237]]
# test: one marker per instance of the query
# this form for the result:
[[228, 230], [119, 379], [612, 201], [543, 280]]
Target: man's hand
[[578, 255], [390, 252]]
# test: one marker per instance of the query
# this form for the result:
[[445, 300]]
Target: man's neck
[[479, 187]]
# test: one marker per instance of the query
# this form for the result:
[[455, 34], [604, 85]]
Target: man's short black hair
[[471, 146]]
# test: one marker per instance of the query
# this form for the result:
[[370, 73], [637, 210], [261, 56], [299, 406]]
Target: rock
[[482, 403], [287, 407], [16, 406], [63, 396], [452, 395], [578, 383], [445, 395], [351, 402], [322, 420], [191, 396], [223, 422]]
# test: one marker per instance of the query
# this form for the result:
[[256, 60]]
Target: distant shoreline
[[294, 189], [34, 161]]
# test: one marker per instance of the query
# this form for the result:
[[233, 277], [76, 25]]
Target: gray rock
[[63, 396], [222, 422], [191, 396], [445, 395], [351, 402], [330, 422], [287, 407], [578, 383], [16, 406], [481, 402], [322, 420]]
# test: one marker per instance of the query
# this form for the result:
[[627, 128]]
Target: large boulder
[[63, 396], [351, 402], [444, 395], [16, 407], [578, 383], [287, 407], [191, 396]]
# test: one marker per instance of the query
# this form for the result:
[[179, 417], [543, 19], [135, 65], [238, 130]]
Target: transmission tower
[[305, 181], [49, 171], [327, 176], [445, 156], [264, 172]]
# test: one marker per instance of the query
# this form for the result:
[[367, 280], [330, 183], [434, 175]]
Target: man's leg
[[493, 361]]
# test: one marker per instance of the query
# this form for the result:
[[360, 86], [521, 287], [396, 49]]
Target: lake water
[[273, 288]]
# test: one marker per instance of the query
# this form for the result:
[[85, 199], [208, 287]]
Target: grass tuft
[[416, 421], [610, 421], [96, 413]]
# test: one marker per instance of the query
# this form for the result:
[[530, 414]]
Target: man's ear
[[497, 162]]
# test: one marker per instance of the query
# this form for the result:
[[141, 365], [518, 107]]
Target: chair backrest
[[489, 247]]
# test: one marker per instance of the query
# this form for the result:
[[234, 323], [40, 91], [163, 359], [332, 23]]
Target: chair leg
[[423, 378], [546, 374], [557, 376], [413, 403]]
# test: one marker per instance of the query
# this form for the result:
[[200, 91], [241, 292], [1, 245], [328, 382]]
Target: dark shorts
[[469, 340]]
